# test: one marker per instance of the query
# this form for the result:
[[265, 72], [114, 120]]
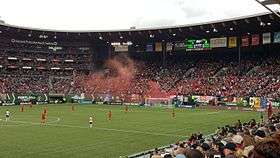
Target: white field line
[[212, 113], [35, 123], [101, 128]]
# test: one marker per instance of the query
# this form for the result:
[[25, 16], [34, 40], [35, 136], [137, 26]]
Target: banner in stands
[[26, 98], [203, 99], [169, 47], [245, 41], [264, 102], [232, 42], [158, 47], [121, 48], [232, 99], [34, 42], [255, 102], [266, 38], [218, 42], [276, 37], [255, 39], [179, 46], [149, 48], [276, 104]]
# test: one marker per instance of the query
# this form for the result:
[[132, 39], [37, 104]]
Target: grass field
[[67, 133]]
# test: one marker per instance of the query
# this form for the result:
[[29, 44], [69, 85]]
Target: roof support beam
[[266, 3]]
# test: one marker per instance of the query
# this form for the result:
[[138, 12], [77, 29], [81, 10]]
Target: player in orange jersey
[[43, 118], [126, 109], [45, 110], [22, 108], [173, 113], [110, 115]]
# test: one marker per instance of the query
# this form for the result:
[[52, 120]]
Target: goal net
[[158, 102]]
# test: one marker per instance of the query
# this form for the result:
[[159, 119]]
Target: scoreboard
[[195, 44]]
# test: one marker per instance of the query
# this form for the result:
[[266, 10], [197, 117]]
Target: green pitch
[[67, 133]]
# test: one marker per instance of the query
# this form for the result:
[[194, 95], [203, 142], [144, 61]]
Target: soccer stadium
[[206, 89]]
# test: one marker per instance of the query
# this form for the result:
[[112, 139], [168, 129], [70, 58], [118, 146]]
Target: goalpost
[[158, 102]]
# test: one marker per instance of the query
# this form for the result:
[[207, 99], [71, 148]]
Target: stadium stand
[[209, 78]]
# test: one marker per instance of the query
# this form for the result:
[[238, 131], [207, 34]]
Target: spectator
[[266, 149], [229, 150]]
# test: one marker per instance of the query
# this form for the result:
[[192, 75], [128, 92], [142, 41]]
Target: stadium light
[[262, 23], [231, 29], [268, 23], [115, 43], [174, 34], [100, 37], [207, 31], [152, 36], [129, 43]]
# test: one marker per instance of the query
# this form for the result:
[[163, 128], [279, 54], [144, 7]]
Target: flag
[[266, 38], [158, 47], [245, 41], [276, 37], [149, 48], [169, 47], [232, 42], [255, 40]]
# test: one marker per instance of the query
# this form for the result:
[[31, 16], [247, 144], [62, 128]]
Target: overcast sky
[[120, 14]]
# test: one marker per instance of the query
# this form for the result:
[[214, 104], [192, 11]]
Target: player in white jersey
[[91, 121], [7, 114]]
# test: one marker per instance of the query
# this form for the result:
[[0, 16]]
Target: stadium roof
[[258, 23]]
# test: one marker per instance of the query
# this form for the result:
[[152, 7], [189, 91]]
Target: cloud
[[121, 14], [191, 12], [146, 22]]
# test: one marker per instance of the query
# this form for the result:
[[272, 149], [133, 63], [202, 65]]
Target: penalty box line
[[100, 128]]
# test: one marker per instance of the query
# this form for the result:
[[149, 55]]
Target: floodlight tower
[[271, 5]]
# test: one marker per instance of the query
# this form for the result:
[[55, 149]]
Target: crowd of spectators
[[240, 140], [137, 78], [234, 79], [25, 72], [202, 77]]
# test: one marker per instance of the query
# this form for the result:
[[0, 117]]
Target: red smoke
[[119, 79], [156, 92], [115, 80]]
